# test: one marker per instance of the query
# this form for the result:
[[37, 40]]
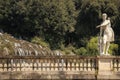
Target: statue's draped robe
[[108, 35]]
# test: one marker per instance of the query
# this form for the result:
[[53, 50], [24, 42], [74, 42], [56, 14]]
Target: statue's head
[[104, 16]]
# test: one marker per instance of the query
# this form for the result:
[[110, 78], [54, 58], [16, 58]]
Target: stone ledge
[[107, 57], [48, 75]]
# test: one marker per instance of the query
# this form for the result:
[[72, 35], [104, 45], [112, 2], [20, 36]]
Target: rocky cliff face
[[12, 46]]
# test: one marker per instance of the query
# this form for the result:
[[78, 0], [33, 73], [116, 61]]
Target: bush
[[69, 49], [81, 51], [39, 41], [92, 46], [113, 50]]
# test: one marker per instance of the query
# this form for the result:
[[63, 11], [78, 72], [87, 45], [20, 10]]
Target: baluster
[[3, 64], [43, 64], [28, 64], [94, 64], [71, 63], [0, 64], [80, 64], [85, 64], [33, 64], [74, 66], [48, 64], [91, 64], [52, 64], [50, 61], [57, 65], [17, 63], [60, 64], [11, 64], [63, 64], [39, 64], [88, 64], [75, 61], [115, 64], [83, 61], [20, 64], [7, 64], [118, 64], [66, 63], [77, 64], [23, 64]]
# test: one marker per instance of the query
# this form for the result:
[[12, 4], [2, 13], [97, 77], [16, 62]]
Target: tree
[[51, 19], [88, 18]]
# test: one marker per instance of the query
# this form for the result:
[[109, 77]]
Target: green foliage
[[81, 51], [39, 41], [69, 49], [113, 49], [92, 46]]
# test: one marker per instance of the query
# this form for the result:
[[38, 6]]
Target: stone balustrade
[[59, 67]]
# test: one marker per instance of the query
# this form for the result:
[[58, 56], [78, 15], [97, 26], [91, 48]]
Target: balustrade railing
[[58, 67], [53, 63], [48, 63]]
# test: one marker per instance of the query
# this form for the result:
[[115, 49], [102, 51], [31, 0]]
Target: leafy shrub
[[113, 49], [39, 41], [81, 51], [92, 46], [69, 49]]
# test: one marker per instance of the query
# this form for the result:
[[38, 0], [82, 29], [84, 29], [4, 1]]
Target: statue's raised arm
[[104, 23]]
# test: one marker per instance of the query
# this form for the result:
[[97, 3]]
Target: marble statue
[[106, 34]]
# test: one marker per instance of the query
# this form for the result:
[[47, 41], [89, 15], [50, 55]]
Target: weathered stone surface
[[48, 75]]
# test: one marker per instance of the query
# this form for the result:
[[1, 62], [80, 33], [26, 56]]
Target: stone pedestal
[[105, 67]]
